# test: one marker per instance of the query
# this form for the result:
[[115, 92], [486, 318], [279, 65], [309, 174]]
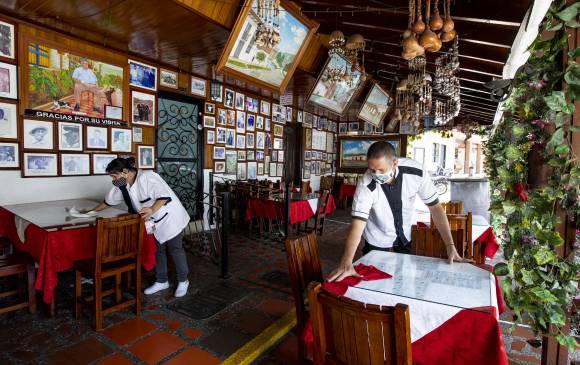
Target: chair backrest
[[453, 207], [119, 238], [323, 202], [350, 332], [326, 182], [305, 186], [426, 241], [461, 222], [304, 266]]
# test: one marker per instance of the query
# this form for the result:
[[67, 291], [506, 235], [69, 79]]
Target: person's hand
[[452, 255], [344, 270], [146, 213]]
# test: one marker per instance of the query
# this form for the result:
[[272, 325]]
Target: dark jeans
[[175, 247], [396, 248]]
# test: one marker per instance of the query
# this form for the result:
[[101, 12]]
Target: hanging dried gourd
[[449, 32], [411, 47], [436, 21], [429, 40], [419, 26]]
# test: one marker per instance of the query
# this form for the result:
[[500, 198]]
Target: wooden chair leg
[[129, 276], [31, 291], [98, 297], [138, 293], [78, 294], [118, 293]]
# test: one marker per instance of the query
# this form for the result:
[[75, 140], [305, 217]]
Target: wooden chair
[[350, 332], [305, 187], [326, 183], [320, 215], [453, 207], [462, 222], [304, 266], [426, 241], [118, 251], [21, 265]]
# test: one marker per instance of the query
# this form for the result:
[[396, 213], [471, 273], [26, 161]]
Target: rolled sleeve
[[114, 197], [427, 191], [158, 188], [362, 203]]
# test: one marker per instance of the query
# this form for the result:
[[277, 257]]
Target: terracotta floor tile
[[287, 350], [24, 355], [129, 330], [156, 347], [116, 359], [157, 317], [194, 355], [192, 333], [83, 352], [275, 307], [173, 324]]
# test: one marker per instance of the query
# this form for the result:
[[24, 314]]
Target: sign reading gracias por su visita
[[39, 114]]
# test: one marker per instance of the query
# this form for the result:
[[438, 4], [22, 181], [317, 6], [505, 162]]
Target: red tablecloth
[[56, 251], [300, 210], [346, 191]]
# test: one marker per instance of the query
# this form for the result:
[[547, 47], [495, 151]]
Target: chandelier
[[268, 29], [344, 52]]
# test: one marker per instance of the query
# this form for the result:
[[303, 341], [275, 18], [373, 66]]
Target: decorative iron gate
[[179, 149]]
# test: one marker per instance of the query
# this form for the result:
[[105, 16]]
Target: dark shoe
[[77, 107]]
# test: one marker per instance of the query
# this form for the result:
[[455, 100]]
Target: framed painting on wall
[[168, 78], [249, 56], [142, 75], [376, 106], [352, 151]]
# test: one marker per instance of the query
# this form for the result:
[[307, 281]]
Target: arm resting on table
[[345, 267]]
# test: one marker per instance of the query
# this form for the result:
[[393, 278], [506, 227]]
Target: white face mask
[[384, 178]]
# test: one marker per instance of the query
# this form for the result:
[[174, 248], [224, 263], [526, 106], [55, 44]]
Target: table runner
[[300, 210]]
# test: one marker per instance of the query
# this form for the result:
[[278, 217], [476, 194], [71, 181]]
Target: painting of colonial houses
[[353, 152], [376, 106]]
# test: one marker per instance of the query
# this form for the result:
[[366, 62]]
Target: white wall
[[16, 190]]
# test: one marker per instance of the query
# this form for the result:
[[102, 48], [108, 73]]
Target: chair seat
[[87, 267], [16, 262]]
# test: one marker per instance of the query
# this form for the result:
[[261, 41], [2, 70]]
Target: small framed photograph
[[267, 124], [259, 122], [168, 79], [210, 136], [209, 108], [7, 40], [280, 170], [307, 155], [221, 135], [143, 107], [250, 155], [219, 153], [100, 163], [146, 157], [137, 135], [230, 118], [113, 112], [240, 98], [8, 81], [272, 169], [74, 164], [275, 156], [9, 155], [251, 123], [241, 141], [231, 162], [278, 130], [260, 168], [267, 165], [353, 126], [221, 116], [342, 128], [40, 164], [306, 170], [121, 140], [242, 155], [97, 138], [216, 91], [260, 140], [252, 170], [250, 140], [288, 114], [260, 155], [142, 75], [209, 121], [241, 173], [265, 108], [251, 104], [278, 143], [280, 156], [219, 167], [8, 118], [70, 136], [198, 87], [230, 138], [299, 116], [240, 122], [229, 98]]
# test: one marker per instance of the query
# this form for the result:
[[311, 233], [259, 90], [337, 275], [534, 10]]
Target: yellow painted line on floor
[[248, 353]]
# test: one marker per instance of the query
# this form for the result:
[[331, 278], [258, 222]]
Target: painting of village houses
[[71, 84], [353, 151], [376, 106]]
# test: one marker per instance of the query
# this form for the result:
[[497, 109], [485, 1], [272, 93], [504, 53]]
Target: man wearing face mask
[[146, 193], [383, 209]]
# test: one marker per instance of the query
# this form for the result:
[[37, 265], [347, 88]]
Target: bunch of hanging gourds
[[420, 36]]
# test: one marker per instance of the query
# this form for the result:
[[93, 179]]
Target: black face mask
[[122, 181]]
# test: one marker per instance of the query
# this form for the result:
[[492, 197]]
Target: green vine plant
[[539, 285]]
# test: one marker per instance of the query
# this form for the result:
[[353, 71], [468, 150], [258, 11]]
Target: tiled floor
[[162, 335]]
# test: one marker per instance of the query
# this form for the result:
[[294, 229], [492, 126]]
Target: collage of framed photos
[[360, 128], [320, 146]]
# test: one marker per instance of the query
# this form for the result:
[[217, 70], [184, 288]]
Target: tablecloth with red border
[[300, 210], [346, 191]]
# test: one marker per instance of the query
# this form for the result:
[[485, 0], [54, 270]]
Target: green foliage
[[538, 284]]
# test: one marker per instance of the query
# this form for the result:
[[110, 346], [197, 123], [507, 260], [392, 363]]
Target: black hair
[[119, 164], [381, 149]]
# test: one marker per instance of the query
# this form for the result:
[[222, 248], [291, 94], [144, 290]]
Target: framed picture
[[70, 136], [277, 113], [40, 164], [251, 123], [260, 67], [8, 81], [137, 135], [260, 140], [222, 116], [259, 122], [198, 87], [267, 165], [241, 173], [306, 170], [329, 142], [369, 128], [230, 117], [8, 119], [209, 108], [308, 138], [299, 116], [280, 156], [252, 170], [342, 128], [9, 155], [242, 155], [97, 138], [168, 78], [221, 135], [260, 155], [251, 104], [113, 112], [7, 40], [267, 124], [407, 127], [275, 156], [142, 75], [250, 140], [260, 168], [216, 91], [278, 144], [231, 162], [146, 157], [100, 162], [38, 135], [307, 119], [74, 164], [288, 114], [278, 130], [219, 167], [265, 108], [352, 151], [240, 101], [353, 126], [335, 97], [121, 140], [210, 136], [376, 106], [209, 121], [229, 98], [272, 169], [241, 141], [240, 122], [250, 155], [143, 108], [230, 138], [219, 153], [280, 170]]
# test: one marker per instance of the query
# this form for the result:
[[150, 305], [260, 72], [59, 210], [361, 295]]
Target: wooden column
[[467, 158], [478, 159]]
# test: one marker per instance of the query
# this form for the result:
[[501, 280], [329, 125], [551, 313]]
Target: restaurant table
[[55, 240], [346, 191], [453, 308], [302, 208]]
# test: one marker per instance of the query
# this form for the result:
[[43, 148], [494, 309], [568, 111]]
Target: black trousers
[[396, 248]]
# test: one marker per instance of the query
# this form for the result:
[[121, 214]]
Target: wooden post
[[467, 159]]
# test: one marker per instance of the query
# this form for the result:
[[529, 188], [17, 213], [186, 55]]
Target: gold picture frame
[[368, 107]]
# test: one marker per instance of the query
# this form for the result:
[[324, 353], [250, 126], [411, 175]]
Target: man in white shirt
[[383, 208], [86, 80]]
